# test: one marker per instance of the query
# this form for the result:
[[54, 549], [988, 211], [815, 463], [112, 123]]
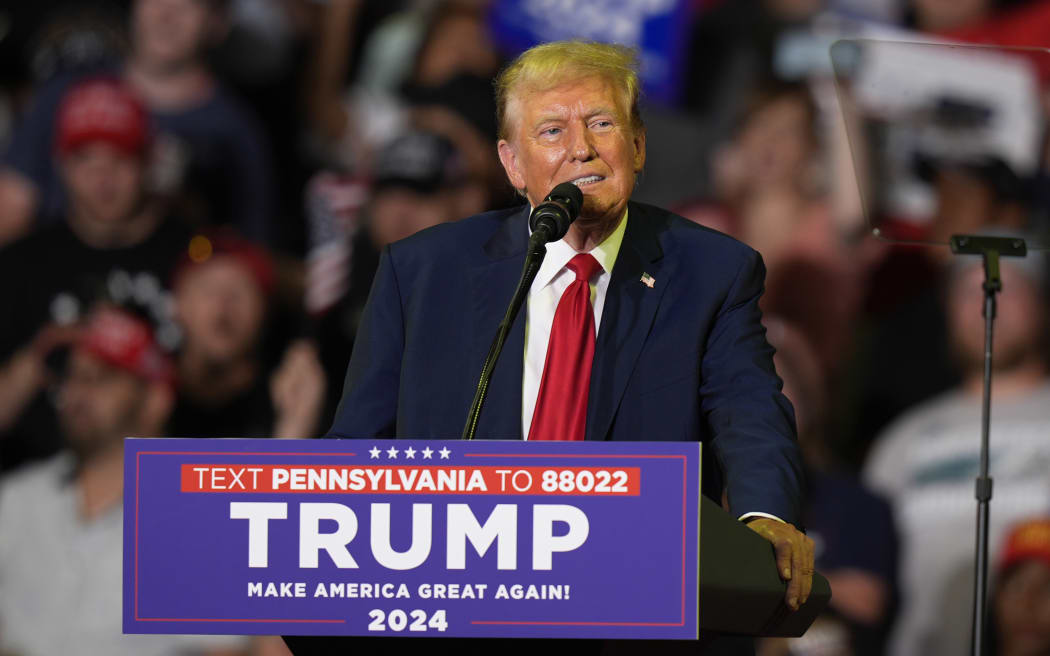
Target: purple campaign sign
[[412, 537]]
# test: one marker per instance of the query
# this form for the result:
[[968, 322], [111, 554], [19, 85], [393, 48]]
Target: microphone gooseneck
[[549, 221]]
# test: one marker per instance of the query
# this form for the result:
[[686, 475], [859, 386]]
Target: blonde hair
[[549, 64]]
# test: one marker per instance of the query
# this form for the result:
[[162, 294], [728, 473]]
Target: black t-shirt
[[248, 414], [853, 529], [52, 276]]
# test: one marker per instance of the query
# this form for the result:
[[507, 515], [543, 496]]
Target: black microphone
[[551, 218]]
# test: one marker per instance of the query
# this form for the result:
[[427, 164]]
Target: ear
[[508, 156], [639, 151]]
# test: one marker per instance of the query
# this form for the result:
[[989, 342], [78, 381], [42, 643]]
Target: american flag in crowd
[[333, 208]]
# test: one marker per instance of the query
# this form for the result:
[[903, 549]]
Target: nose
[[581, 145]]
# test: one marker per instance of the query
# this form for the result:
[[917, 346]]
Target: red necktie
[[561, 405]]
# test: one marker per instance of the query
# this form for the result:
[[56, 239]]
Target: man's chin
[[591, 223], [595, 215]]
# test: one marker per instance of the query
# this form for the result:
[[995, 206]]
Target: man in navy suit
[[679, 353]]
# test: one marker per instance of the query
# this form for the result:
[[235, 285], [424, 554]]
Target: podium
[[741, 592], [467, 543]]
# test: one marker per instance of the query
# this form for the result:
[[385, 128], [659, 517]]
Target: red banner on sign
[[313, 479]]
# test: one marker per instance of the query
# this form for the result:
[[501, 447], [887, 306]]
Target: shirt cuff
[[756, 515]]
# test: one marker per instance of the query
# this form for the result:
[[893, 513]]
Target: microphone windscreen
[[570, 195]]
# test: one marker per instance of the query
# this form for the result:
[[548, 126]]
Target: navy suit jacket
[[686, 359]]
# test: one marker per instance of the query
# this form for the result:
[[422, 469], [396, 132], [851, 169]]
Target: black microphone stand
[[549, 221], [990, 249], [533, 259]]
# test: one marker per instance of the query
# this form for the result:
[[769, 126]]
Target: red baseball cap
[[1028, 540], [125, 341], [219, 242], [101, 109]]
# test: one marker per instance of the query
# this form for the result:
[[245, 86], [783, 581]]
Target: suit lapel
[[492, 284], [630, 306]]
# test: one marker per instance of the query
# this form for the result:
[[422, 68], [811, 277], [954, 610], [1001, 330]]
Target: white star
[[391, 452], [410, 452], [444, 453], [427, 453], [374, 452]]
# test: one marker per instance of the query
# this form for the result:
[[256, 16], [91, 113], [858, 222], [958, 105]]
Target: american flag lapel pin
[[648, 280]]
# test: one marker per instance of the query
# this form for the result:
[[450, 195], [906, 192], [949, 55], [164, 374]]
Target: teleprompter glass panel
[[946, 138]]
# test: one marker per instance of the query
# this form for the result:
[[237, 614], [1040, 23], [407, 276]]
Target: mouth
[[587, 180]]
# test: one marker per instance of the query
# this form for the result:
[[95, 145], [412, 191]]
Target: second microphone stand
[[990, 249]]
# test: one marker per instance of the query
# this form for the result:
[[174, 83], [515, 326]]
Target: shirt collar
[[559, 253]]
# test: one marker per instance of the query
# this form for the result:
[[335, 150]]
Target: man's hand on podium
[[794, 557]]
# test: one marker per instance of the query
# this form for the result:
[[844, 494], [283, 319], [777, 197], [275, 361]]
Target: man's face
[[99, 404], [1019, 325], [221, 309], [578, 132], [170, 32], [1022, 606], [104, 182], [773, 146], [397, 213]]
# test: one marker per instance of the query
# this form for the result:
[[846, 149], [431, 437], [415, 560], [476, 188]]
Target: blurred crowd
[[194, 195]]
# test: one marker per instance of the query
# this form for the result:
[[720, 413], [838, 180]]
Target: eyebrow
[[553, 118], [549, 118], [603, 110]]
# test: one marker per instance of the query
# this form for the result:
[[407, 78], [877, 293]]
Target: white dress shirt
[[553, 278]]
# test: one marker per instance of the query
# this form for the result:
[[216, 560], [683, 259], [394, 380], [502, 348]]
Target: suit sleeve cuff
[[755, 515]]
